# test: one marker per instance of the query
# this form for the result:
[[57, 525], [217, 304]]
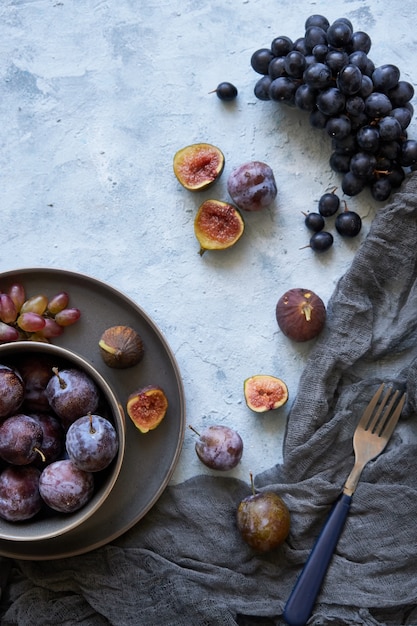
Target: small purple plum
[[20, 439], [219, 447], [64, 487], [19, 493], [252, 186], [71, 394], [92, 443], [11, 390]]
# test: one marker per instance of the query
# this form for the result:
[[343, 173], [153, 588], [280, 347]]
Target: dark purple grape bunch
[[364, 108], [347, 223]]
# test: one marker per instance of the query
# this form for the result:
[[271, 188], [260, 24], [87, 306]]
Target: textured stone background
[[96, 97]]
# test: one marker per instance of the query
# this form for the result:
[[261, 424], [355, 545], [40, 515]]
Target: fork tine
[[391, 422], [375, 422], [367, 414]]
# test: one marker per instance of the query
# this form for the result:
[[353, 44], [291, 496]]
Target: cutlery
[[369, 440]]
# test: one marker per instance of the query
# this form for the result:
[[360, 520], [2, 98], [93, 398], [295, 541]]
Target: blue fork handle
[[302, 598]]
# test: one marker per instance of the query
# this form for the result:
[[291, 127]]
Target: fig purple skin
[[219, 447], [92, 443], [252, 186]]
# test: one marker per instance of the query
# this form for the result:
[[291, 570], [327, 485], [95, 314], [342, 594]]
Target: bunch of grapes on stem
[[364, 108], [36, 318]]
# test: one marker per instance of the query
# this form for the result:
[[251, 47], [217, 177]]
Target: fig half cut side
[[265, 393], [198, 165], [218, 225], [147, 407]]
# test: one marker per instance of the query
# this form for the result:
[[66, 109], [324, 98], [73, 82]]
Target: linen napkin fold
[[185, 564]]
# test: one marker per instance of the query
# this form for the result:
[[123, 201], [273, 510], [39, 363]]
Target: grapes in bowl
[[62, 440]]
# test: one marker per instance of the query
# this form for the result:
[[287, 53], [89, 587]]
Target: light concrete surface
[[96, 96]]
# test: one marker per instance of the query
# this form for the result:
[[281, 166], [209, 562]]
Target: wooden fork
[[369, 440]]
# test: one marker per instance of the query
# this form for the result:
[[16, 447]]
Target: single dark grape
[[339, 34], [347, 145], [226, 91], [314, 221], [321, 241], [305, 98], [331, 101], [355, 105], [329, 204], [348, 224], [367, 86], [349, 79], [318, 76], [396, 176], [352, 184], [317, 20], [363, 164], [295, 64], [314, 36], [260, 60], [277, 68], [360, 41], [389, 129], [360, 59], [281, 46], [339, 126], [340, 162], [318, 119], [283, 89], [357, 121], [403, 114], [368, 138], [390, 150], [381, 189], [300, 45], [377, 105], [336, 60], [385, 77], [261, 89], [408, 155], [320, 52], [402, 93]]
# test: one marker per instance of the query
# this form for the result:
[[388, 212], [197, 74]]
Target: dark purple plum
[[53, 438], [219, 447], [20, 439], [19, 493], [64, 487], [36, 370], [92, 443], [252, 186], [11, 390], [71, 394]]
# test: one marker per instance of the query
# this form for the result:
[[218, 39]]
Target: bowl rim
[[52, 526]]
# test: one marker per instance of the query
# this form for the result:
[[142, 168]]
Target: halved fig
[[265, 393], [147, 407], [218, 225], [197, 166], [301, 314]]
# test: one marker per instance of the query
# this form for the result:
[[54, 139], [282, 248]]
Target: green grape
[[35, 304]]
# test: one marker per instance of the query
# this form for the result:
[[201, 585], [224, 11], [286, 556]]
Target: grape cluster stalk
[[364, 108], [35, 318]]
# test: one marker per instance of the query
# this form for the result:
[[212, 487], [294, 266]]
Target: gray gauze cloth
[[185, 564]]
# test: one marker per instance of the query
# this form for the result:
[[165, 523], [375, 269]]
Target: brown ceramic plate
[[150, 458]]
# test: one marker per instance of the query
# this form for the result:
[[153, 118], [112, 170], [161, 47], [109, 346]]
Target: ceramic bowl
[[48, 523]]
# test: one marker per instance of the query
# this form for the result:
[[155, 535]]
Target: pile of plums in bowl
[[62, 440]]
